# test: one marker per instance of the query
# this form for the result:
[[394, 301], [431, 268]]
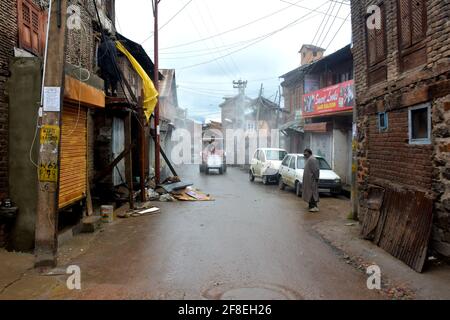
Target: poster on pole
[[52, 99]]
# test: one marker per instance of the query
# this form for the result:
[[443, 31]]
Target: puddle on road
[[264, 292]]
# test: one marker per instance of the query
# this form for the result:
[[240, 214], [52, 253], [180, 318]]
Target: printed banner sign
[[334, 99], [50, 135], [48, 172]]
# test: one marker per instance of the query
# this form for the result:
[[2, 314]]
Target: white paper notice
[[52, 99]]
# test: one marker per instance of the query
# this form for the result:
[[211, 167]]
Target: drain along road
[[252, 242]]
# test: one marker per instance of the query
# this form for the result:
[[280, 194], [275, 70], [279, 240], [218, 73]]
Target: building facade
[[248, 119], [23, 37], [402, 67], [319, 96]]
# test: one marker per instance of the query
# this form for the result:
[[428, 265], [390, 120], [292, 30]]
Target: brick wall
[[8, 38], [387, 158], [392, 158], [80, 43]]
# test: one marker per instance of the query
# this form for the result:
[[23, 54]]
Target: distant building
[[169, 113], [310, 54], [319, 99], [252, 117]]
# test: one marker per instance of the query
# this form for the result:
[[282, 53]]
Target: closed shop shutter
[[73, 167], [322, 145]]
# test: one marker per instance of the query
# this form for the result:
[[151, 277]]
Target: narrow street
[[125, 128], [252, 242]]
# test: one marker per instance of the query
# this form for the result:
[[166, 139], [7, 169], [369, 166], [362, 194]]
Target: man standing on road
[[311, 177]]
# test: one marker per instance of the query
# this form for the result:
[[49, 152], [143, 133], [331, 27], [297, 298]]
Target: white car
[[265, 164], [291, 175]]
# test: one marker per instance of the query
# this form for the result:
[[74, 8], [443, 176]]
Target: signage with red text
[[334, 99]]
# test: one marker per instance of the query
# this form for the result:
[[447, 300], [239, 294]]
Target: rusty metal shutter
[[73, 167]]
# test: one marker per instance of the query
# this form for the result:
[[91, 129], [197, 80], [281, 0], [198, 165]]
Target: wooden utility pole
[[142, 148], [354, 189], [46, 245], [129, 160], [156, 83]]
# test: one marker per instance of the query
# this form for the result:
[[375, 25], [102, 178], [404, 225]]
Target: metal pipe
[[156, 83], [46, 50]]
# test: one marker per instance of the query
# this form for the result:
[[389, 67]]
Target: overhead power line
[[297, 21], [232, 29], [228, 82], [315, 10], [331, 25], [342, 25], [233, 71], [168, 21], [220, 38], [220, 64], [326, 23], [321, 23]]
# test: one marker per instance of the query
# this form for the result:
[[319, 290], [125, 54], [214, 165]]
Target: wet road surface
[[252, 242]]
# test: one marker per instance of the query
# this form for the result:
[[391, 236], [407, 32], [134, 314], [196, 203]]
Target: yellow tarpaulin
[[150, 93]]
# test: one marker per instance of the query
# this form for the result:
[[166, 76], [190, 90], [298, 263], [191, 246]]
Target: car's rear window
[[275, 155], [300, 163], [323, 164]]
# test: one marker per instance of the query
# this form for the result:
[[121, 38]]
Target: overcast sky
[[259, 52]]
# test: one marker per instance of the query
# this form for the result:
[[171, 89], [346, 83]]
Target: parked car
[[291, 175], [265, 164]]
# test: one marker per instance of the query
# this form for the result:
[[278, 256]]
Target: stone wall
[[386, 158], [441, 184]]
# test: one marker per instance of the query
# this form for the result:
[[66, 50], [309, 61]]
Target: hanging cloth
[[150, 93]]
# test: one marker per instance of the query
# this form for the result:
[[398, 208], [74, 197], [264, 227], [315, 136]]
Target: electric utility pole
[[46, 236], [258, 113], [241, 85], [239, 110], [156, 83]]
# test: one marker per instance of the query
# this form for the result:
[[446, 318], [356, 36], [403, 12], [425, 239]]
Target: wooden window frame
[[385, 119], [379, 63], [420, 45], [426, 141], [42, 18]]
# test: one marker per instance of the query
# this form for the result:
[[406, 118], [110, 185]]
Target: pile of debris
[[173, 189], [144, 209]]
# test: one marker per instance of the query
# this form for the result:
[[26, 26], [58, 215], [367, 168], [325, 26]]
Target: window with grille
[[376, 50], [412, 24], [32, 24]]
